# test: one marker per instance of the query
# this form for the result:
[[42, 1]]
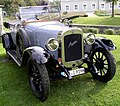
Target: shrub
[[83, 15], [110, 31], [101, 13], [91, 30], [84, 30], [72, 17], [117, 12], [118, 32], [65, 12]]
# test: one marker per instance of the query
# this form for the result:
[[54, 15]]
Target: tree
[[41, 2], [11, 6], [113, 6]]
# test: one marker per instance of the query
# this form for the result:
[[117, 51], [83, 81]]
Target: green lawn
[[80, 91], [98, 20]]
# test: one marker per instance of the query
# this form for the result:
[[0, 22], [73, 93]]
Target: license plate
[[77, 72]]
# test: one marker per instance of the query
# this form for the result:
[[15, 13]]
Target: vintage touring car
[[51, 47]]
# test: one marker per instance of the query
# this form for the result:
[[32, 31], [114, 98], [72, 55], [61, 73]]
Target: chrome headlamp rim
[[90, 38], [51, 43]]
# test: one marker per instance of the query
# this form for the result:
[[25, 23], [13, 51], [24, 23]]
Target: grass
[[80, 91], [98, 20]]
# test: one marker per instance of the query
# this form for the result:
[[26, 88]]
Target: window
[[102, 6], [67, 7], [110, 5], [84, 6], [93, 6], [76, 7], [119, 5]]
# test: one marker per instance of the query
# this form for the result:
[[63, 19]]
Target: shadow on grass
[[63, 92], [118, 62], [77, 89], [14, 84]]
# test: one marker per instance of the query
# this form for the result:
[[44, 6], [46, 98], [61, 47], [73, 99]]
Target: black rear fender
[[7, 41], [36, 53]]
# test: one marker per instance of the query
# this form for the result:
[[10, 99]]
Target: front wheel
[[39, 80], [104, 61]]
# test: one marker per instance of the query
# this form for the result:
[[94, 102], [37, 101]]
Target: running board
[[12, 54]]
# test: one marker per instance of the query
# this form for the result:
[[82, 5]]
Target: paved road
[[91, 14]]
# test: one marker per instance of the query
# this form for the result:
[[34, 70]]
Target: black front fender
[[38, 54], [104, 43]]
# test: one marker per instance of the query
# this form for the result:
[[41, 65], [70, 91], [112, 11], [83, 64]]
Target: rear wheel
[[104, 61], [21, 43], [39, 80]]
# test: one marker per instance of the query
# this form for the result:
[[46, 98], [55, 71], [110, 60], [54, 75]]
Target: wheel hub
[[99, 63]]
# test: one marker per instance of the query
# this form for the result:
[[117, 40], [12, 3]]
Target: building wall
[[86, 5]]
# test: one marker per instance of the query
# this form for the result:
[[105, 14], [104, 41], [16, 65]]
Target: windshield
[[45, 12]]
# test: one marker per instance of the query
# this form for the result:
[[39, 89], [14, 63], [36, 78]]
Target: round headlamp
[[90, 39], [52, 44]]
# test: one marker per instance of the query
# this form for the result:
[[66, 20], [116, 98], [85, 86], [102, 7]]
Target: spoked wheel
[[104, 61], [21, 42], [19, 47], [39, 80]]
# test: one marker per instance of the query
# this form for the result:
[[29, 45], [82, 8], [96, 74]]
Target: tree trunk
[[113, 4]]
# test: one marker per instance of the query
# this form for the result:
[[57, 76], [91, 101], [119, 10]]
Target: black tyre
[[39, 80], [105, 64], [21, 42]]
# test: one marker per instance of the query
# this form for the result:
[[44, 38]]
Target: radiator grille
[[73, 47]]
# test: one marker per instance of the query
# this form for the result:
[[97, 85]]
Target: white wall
[[1, 21], [86, 5]]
